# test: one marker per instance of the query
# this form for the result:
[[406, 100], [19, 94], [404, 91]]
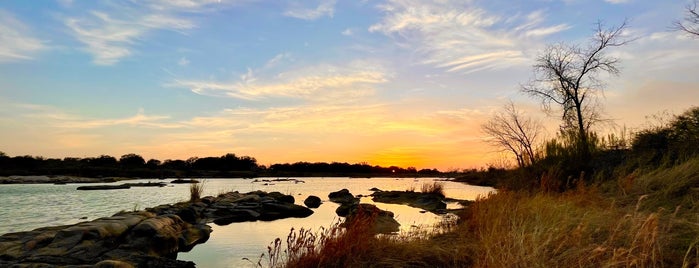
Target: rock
[[274, 211], [113, 264], [342, 197], [104, 187], [147, 184], [426, 201], [282, 197], [184, 181], [312, 201], [150, 238], [382, 221]]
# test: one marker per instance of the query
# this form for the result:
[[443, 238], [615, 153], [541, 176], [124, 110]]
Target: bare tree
[[568, 76], [690, 24], [512, 132]]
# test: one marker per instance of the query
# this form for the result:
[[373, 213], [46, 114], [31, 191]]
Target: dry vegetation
[[589, 226], [196, 190]]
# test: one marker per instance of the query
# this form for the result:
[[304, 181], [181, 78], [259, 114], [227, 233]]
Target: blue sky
[[398, 82]]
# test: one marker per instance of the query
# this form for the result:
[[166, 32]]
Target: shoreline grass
[[647, 221], [196, 190]]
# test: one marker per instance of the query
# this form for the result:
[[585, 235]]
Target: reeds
[[196, 190], [436, 188]]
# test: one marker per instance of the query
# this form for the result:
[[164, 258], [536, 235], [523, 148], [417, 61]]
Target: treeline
[[228, 165], [559, 166]]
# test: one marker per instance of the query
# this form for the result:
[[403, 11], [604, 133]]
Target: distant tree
[[132, 161], [153, 163], [690, 23], [104, 161], [511, 131], [174, 164], [568, 76], [2, 154]]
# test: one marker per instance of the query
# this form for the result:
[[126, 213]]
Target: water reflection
[[30, 206], [240, 244]]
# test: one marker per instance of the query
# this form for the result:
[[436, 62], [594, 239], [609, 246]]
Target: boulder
[[312, 201], [103, 187], [150, 238], [427, 201], [381, 221], [342, 197]]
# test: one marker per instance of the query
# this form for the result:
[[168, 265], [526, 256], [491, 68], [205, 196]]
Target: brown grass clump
[[436, 188], [195, 191]]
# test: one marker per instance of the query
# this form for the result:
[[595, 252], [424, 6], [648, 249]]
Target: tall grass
[[196, 190], [642, 219], [353, 244], [436, 188], [579, 229]]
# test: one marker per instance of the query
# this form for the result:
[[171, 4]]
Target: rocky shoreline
[[153, 237], [150, 238], [57, 179]]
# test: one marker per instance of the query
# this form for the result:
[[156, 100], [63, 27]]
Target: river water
[[25, 207]]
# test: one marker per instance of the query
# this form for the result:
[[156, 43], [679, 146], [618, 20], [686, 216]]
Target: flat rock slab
[[427, 201], [150, 238]]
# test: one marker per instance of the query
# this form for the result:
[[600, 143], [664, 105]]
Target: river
[[26, 207]]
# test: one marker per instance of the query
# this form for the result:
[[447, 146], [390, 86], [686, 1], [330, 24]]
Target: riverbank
[[646, 218], [57, 179]]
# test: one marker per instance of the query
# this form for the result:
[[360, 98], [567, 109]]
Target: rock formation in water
[[427, 201], [150, 238], [312, 201], [382, 221]]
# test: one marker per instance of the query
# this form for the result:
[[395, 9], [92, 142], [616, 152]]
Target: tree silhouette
[[567, 75], [512, 132]]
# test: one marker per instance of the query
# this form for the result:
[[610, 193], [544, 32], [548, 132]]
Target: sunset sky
[[396, 82]]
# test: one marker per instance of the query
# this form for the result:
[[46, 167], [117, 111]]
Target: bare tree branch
[[567, 75], [510, 131], [690, 24]]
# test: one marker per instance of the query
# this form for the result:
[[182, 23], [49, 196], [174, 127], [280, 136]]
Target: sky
[[387, 82]]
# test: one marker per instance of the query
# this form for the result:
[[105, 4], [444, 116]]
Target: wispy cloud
[[15, 42], [322, 82], [110, 38], [49, 115], [460, 36], [326, 8], [183, 61], [617, 1]]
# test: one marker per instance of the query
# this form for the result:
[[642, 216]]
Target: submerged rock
[[312, 201], [103, 187]]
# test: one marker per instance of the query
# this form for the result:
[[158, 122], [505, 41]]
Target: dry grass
[[648, 221], [352, 244], [555, 230], [433, 188], [196, 190]]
